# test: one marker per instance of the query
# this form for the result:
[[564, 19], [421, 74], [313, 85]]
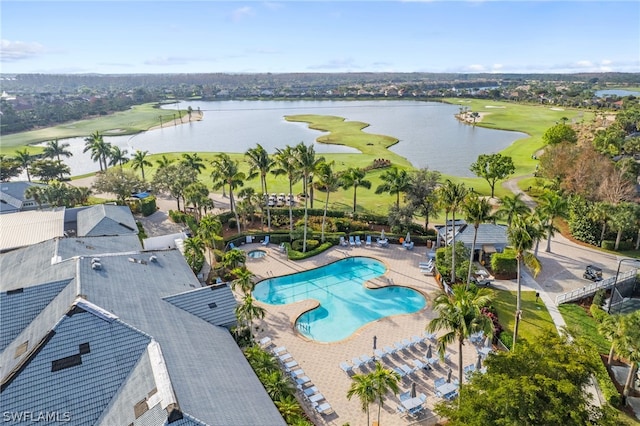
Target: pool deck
[[321, 361]]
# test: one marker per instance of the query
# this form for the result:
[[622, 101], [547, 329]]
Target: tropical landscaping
[[356, 194]]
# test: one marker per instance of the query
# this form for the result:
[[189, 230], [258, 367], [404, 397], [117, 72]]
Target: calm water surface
[[428, 133]]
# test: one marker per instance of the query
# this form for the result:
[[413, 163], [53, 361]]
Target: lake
[[428, 132], [616, 92]]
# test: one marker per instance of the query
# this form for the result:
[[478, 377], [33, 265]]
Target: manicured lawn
[[583, 324], [138, 119], [535, 319]]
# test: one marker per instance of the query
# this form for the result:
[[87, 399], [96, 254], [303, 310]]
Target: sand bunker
[[493, 106]]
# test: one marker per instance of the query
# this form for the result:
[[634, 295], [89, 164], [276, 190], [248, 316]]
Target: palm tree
[[554, 206], [99, 149], [260, 164], [612, 328], [233, 258], [460, 316], [118, 156], [244, 281], [193, 251], [477, 211], [36, 192], [395, 181], [196, 194], [630, 347], [329, 181], [289, 408], [307, 163], [139, 161], [599, 213], [354, 177], [193, 161], [277, 385], [210, 230], [262, 362], [227, 173], [285, 164], [511, 206], [25, 159], [452, 194], [622, 218], [384, 380], [362, 386], [247, 311], [55, 150], [521, 236], [163, 162]]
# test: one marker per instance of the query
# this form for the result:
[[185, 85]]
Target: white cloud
[[18, 50], [241, 13], [476, 68]]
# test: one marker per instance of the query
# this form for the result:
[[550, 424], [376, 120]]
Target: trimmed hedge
[[298, 255], [148, 206], [504, 264]]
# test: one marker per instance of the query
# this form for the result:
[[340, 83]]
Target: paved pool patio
[[321, 361]]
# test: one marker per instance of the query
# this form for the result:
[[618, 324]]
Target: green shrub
[[597, 312], [298, 244], [177, 216], [598, 298], [608, 244], [506, 338], [608, 388], [142, 234], [298, 255], [148, 206], [504, 264]]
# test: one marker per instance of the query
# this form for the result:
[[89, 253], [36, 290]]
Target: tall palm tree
[[99, 149], [118, 156], [460, 316], [554, 205], [227, 173], [510, 206], [55, 150], [355, 177], [307, 163], [599, 213], [384, 380], [329, 181], [247, 311], [453, 194], [285, 164], [261, 361], [260, 164], [521, 237], [210, 230], [37, 193], [622, 218], [289, 408], [196, 194], [139, 161], [394, 181], [193, 161], [362, 386], [233, 258], [477, 210], [630, 348], [244, 280], [25, 159], [277, 385], [612, 328]]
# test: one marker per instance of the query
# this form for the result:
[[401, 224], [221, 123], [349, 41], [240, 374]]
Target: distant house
[[106, 219], [106, 333], [12, 197]]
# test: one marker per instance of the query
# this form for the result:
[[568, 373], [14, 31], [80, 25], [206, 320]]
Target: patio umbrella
[[487, 342], [413, 390], [375, 341], [408, 238], [429, 352], [382, 234], [449, 375], [479, 363]]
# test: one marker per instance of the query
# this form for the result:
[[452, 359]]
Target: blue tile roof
[[20, 307], [215, 304], [92, 355]]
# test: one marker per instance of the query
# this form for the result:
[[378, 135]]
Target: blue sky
[[325, 36]]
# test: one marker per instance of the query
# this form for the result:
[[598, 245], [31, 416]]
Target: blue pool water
[[345, 304]]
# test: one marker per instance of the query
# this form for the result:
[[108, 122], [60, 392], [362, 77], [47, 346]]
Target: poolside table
[[447, 390], [484, 351], [412, 403]]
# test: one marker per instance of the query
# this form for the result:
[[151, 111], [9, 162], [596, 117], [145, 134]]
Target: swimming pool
[[345, 303]]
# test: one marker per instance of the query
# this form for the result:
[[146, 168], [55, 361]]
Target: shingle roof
[[105, 219], [94, 246], [214, 304], [88, 356], [12, 193]]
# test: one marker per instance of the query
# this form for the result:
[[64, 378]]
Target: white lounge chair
[[365, 359], [265, 341], [346, 367], [358, 242], [310, 391], [356, 362], [390, 350], [279, 350], [399, 371], [352, 241], [266, 241], [380, 353], [343, 242], [368, 241], [323, 408], [407, 343]]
